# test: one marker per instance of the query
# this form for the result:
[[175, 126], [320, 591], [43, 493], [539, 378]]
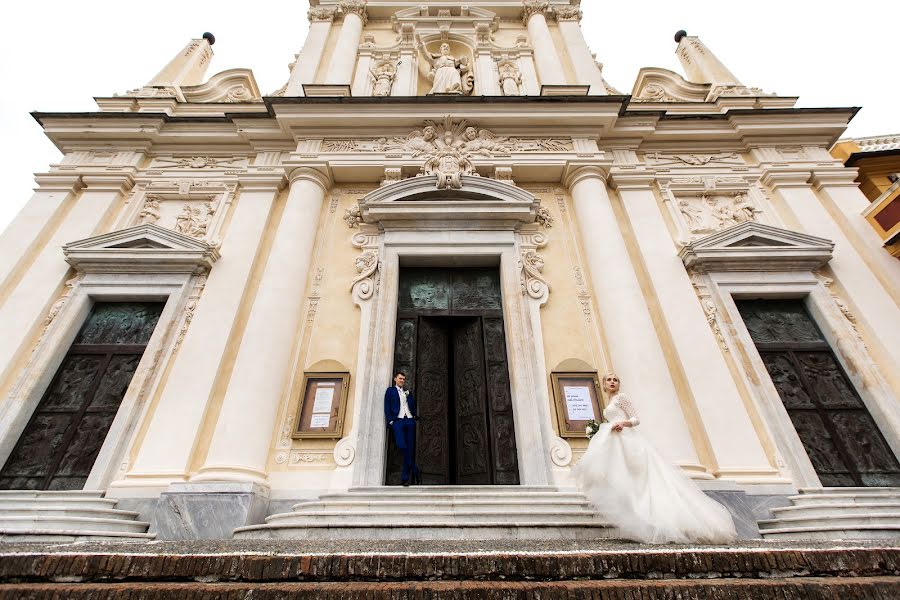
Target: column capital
[[321, 14], [354, 7], [108, 182], [777, 178], [838, 177], [577, 172], [319, 174], [272, 180], [534, 7], [630, 179], [58, 182], [567, 13]]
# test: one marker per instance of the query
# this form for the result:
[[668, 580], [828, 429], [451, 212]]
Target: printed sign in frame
[[322, 405], [577, 400]]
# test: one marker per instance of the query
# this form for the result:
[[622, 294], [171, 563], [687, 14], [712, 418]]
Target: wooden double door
[[451, 343], [62, 440], [841, 438]]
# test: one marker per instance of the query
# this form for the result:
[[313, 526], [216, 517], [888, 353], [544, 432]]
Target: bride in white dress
[[638, 491]]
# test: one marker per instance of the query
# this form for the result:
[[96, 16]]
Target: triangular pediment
[[756, 246], [144, 248]]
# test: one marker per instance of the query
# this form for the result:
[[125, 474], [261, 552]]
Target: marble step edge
[[52, 494], [837, 508], [414, 505], [805, 498], [78, 521], [430, 525], [85, 534], [395, 515], [418, 495], [848, 490], [465, 488], [889, 519], [111, 513], [826, 528], [57, 501]]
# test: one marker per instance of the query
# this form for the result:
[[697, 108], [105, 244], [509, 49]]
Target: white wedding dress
[[638, 491]]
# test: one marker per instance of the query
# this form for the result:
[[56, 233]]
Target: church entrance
[[451, 344], [62, 440], [840, 436]]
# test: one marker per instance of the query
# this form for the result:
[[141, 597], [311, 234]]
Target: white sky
[[56, 55]]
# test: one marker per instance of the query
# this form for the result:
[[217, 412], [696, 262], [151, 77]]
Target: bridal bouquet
[[592, 428]]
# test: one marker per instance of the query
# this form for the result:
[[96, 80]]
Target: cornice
[[58, 182], [780, 177], [108, 182]]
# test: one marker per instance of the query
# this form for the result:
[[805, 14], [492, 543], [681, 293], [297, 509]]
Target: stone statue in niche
[[510, 79], [449, 75], [383, 75]]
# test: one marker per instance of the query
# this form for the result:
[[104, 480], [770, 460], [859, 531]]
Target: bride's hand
[[618, 426]]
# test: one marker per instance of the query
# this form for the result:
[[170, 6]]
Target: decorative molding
[[392, 175], [344, 452], [300, 457], [363, 287], [533, 282], [315, 296], [827, 283], [60, 303], [353, 217], [543, 217], [705, 205], [354, 7], [567, 13], [198, 162], [561, 453], [695, 160], [190, 308], [710, 309]]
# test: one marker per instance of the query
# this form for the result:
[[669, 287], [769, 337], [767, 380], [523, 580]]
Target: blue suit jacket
[[392, 404]]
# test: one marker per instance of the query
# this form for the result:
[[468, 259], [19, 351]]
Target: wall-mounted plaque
[[321, 411], [577, 400]]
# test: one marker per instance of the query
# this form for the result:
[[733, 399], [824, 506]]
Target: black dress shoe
[[405, 484], [417, 479]]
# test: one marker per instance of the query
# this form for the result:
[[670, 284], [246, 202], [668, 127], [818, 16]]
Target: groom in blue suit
[[401, 415]]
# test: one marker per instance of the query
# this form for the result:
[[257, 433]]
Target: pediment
[[144, 248], [755, 246], [478, 200], [662, 85]]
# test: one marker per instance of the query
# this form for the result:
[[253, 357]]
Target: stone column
[[700, 64], [407, 68], [37, 220], [362, 81], [24, 304], [549, 67], [243, 433], [165, 453], [873, 304], [304, 71], [634, 347], [716, 406], [486, 82], [839, 189], [343, 61], [586, 71], [529, 75]]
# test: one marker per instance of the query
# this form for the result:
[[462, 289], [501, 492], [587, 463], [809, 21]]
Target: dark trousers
[[405, 437]]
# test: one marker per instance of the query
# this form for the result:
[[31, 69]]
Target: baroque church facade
[[208, 295]]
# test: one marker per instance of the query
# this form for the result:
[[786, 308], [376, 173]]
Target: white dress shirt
[[404, 407]]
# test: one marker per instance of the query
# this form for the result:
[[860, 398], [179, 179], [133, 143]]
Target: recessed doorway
[[451, 343]]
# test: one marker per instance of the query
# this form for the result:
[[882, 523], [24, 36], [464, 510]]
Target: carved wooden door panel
[[841, 438], [58, 448], [473, 452], [505, 461], [433, 443]]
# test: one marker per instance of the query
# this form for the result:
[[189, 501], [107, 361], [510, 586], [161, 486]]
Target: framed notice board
[[322, 406], [577, 400]]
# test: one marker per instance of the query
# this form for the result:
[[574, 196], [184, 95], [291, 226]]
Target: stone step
[[68, 511], [432, 519], [463, 489], [62, 523], [23, 502], [57, 536], [873, 498], [432, 504], [422, 496], [873, 531], [429, 530], [828, 509], [845, 521], [849, 490], [50, 494]]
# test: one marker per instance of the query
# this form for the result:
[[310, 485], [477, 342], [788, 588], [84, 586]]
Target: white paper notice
[[578, 403], [320, 421], [323, 399]]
